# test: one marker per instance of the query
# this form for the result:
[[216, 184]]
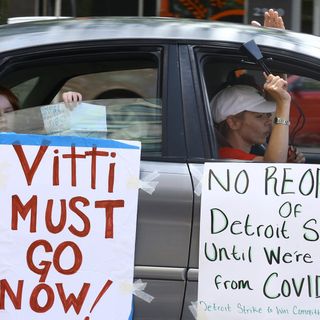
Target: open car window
[[303, 87], [121, 119]]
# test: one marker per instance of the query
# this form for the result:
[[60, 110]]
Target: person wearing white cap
[[244, 118]]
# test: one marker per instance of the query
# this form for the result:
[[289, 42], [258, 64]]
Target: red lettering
[[15, 298], [112, 167], [55, 171], [109, 205], [67, 301], [29, 172], [73, 156], [111, 177], [34, 304], [94, 153], [22, 210], [77, 257], [43, 272], [17, 206], [71, 300], [63, 217], [84, 218], [101, 293]]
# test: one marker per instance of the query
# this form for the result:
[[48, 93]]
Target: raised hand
[[271, 20]]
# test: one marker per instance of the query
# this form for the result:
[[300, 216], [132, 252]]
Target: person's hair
[[14, 101], [222, 130]]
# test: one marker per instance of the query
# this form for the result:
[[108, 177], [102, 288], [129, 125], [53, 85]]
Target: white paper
[[86, 248], [259, 252], [78, 117]]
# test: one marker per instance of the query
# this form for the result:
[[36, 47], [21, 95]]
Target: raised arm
[[277, 149]]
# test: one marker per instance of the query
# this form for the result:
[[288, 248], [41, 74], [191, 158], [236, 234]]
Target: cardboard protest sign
[[67, 227], [259, 252]]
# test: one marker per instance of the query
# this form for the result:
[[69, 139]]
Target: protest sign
[[67, 227], [80, 119], [259, 252]]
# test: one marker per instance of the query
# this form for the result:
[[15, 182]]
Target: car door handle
[[160, 273]]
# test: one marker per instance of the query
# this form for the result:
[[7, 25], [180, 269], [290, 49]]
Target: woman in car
[[245, 118], [243, 124]]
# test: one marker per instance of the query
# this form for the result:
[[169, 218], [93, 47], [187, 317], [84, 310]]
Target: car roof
[[48, 32]]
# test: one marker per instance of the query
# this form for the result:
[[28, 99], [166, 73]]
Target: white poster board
[[259, 255], [67, 227]]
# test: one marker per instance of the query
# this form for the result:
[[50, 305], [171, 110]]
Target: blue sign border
[[61, 141]]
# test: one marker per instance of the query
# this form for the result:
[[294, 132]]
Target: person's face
[[255, 127], [5, 105]]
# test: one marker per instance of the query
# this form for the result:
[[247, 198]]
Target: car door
[[211, 66], [165, 216], [140, 85]]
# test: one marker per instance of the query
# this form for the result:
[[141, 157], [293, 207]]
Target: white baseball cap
[[237, 98]]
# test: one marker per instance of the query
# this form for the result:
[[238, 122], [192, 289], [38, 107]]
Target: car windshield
[[120, 119]]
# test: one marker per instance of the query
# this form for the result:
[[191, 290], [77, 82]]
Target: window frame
[[279, 58], [173, 148]]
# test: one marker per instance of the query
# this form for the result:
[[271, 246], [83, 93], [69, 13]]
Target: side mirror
[[252, 51]]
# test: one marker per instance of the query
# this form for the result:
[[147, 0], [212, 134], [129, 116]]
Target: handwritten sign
[[67, 227], [259, 254], [84, 117]]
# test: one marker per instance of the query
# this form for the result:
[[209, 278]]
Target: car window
[[125, 85], [24, 88], [304, 83], [305, 111], [132, 83], [304, 90], [121, 119]]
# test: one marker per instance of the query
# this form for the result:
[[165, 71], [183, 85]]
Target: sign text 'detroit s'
[[259, 242]]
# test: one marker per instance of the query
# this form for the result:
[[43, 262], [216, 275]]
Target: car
[[305, 94], [156, 77]]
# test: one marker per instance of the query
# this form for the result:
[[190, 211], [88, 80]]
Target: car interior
[[127, 86], [303, 85]]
